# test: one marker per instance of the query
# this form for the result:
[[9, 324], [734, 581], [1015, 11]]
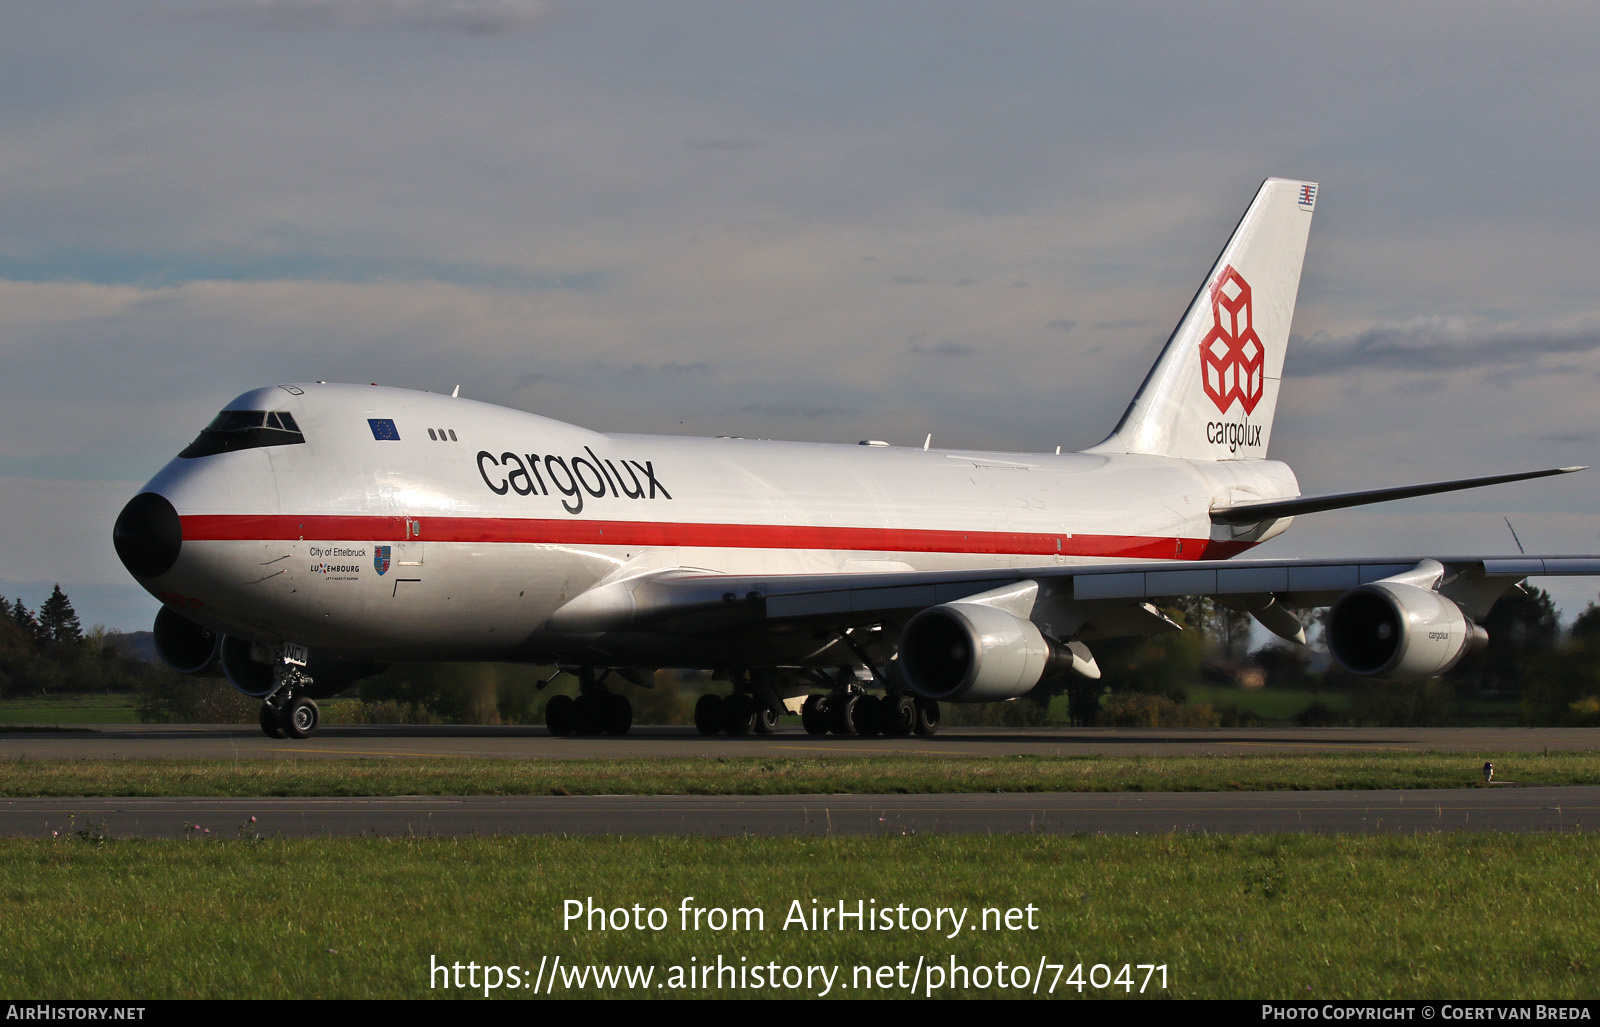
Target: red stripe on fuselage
[[512, 530]]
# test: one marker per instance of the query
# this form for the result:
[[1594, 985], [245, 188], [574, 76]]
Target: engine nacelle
[[246, 666], [244, 672], [1389, 629], [185, 646], [967, 652]]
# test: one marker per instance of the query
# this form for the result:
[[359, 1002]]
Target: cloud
[[476, 17], [725, 144], [1434, 344], [534, 379], [157, 270], [801, 410], [1061, 325], [945, 348], [671, 367]]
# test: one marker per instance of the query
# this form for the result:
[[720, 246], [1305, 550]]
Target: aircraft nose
[[148, 535]]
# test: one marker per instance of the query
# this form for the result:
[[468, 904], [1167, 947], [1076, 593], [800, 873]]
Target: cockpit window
[[245, 429]]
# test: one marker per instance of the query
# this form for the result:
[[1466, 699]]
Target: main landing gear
[[846, 710], [285, 711], [737, 714], [596, 710], [861, 714], [842, 713]]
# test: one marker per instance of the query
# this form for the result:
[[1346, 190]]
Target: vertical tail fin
[[1213, 389]]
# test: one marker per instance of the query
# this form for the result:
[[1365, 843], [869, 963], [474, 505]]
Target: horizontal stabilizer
[[1254, 513]]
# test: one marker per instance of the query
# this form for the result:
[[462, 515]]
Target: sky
[[821, 221]]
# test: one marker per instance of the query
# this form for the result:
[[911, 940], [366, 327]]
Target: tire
[[766, 720], [927, 717], [619, 714], [897, 715], [590, 714], [844, 716], [301, 718], [738, 714], [869, 718], [272, 721], [559, 715], [817, 714], [708, 713]]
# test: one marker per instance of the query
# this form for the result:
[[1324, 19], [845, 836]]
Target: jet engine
[[244, 672], [185, 646], [1391, 629], [967, 652]]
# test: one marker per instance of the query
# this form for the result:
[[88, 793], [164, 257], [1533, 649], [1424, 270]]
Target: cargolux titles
[[529, 474]]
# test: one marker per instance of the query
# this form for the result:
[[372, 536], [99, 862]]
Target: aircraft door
[[404, 557]]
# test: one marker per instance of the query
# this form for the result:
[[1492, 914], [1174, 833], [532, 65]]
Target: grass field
[[70, 709], [1440, 915], [772, 776]]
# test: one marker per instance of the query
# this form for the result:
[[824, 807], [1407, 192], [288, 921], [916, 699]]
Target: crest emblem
[[380, 558], [1232, 359]]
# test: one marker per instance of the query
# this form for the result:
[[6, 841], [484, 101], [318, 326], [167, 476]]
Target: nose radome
[[148, 535]]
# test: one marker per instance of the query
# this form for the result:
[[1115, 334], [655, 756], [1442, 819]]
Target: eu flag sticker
[[383, 429]]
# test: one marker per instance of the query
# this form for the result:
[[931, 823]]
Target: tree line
[[47, 652], [1531, 672]]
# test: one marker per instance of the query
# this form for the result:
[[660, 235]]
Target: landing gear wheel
[[927, 717], [708, 713], [590, 714], [619, 714], [845, 711], [272, 721], [897, 715], [869, 721], [766, 720], [817, 714], [738, 714], [559, 715], [301, 718]]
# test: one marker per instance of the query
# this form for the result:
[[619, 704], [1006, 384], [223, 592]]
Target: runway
[[205, 741], [1331, 812]]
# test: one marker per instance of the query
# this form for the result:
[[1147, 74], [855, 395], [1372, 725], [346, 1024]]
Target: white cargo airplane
[[361, 524]]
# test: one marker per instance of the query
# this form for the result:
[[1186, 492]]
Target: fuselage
[[412, 525]]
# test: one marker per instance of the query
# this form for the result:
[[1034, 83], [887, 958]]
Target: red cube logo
[[1232, 359]]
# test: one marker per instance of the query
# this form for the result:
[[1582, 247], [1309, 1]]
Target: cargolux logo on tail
[[1232, 359]]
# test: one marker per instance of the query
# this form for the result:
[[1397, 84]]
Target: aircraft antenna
[[1514, 538], [927, 442], [455, 392]]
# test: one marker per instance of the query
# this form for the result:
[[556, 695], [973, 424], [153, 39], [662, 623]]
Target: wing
[[1402, 617], [705, 603]]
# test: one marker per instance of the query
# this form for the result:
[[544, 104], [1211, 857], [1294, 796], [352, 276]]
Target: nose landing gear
[[285, 711]]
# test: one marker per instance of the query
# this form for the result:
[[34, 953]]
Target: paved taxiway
[[152, 741], [1405, 812], [1500, 807]]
